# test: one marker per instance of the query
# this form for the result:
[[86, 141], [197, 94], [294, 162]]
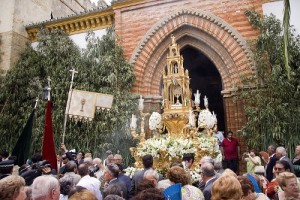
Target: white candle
[[141, 103], [133, 124], [197, 98], [191, 119]]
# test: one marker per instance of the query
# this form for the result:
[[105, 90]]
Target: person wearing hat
[[6, 168]]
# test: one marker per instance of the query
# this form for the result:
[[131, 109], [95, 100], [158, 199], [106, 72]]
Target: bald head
[[83, 170], [208, 169]]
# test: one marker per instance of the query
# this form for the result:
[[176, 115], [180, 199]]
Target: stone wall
[[15, 14], [13, 44]]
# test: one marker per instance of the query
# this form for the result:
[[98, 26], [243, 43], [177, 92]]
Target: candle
[[191, 119], [133, 122], [141, 103], [197, 98]]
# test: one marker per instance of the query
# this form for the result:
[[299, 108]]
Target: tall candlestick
[[191, 119], [133, 124]]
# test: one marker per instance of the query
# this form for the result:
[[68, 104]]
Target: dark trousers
[[231, 164]]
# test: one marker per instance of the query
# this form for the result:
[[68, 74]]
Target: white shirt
[[219, 135], [92, 184]]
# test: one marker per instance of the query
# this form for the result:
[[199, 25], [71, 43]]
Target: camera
[[31, 172], [93, 169]]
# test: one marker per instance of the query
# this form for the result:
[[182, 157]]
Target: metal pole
[[68, 105]]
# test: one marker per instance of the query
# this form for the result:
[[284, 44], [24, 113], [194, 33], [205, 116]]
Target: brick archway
[[219, 41]]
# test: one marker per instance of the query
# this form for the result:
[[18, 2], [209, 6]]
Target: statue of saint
[[206, 102]]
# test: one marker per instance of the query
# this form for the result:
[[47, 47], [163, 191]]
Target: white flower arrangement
[[195, 176], [178, 147], [208, 143], [154, 121], [175, 147], [206, 119], [130, 171]]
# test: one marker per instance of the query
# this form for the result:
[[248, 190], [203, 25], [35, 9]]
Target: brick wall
[[133, 22]]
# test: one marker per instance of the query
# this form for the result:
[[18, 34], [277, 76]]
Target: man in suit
[[138, 176], [281, 155], [296, 161], [271, 162], [111, 174], [209, 177]]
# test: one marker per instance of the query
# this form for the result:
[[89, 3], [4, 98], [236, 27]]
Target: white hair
[[206, 159], [281, 150], [153, 173], [42, 186], [88, 161], [97, 161]]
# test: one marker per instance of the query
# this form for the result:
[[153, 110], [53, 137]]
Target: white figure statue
[[141, 103], [206, 102]]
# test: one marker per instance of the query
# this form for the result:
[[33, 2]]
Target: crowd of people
[[270, 175]]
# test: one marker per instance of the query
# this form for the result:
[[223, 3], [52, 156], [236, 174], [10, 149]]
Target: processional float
[[177, 130]]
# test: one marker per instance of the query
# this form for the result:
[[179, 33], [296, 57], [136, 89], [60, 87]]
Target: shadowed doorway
[[205, 78]]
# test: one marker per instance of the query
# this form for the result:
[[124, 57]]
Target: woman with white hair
[[288, 183], [45, 188]]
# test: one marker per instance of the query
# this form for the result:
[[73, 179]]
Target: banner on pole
[[83, 104]]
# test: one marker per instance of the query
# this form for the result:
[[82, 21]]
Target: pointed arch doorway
[[205, 77], [219, 42]]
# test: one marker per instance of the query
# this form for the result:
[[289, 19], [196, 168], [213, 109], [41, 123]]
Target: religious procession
[[136, 100]]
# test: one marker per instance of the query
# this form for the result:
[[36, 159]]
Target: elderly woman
[[179, 175], [226, 188], [248, 190], [12, 188], [288, 183]]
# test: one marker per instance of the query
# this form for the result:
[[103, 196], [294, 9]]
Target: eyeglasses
[[278, 168]]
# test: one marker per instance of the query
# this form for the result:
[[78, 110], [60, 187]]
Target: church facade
[[216, 29]]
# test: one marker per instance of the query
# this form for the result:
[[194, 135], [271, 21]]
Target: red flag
[[48, 151]]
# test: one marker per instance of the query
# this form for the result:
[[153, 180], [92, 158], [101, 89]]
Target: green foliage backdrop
[[102, 68], [273, 102]]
